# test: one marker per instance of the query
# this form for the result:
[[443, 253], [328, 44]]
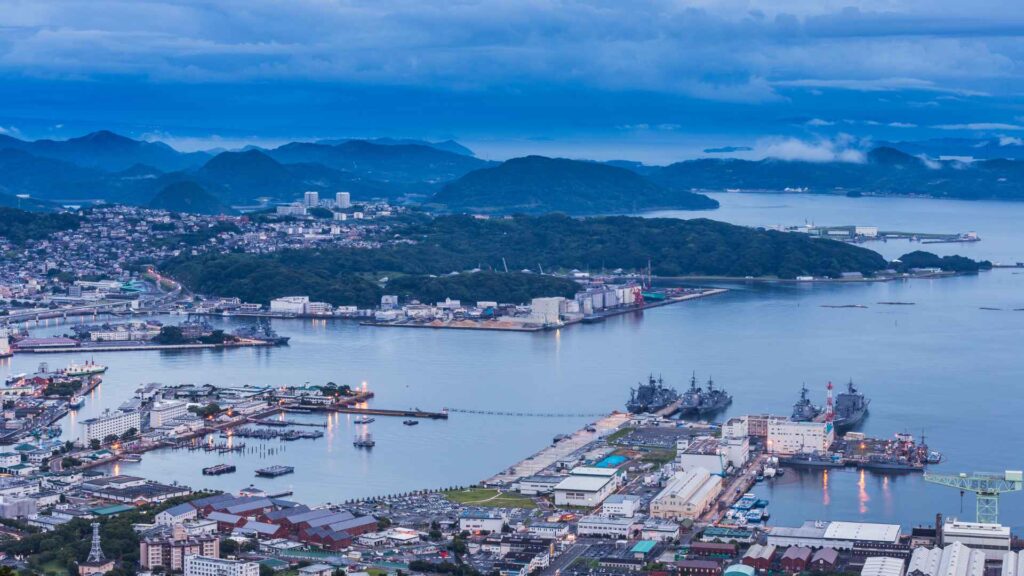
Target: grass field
[[54, 568], [489, 497]]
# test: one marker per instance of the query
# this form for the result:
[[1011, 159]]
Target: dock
[[274, 471], [411, 413], [534, 464]]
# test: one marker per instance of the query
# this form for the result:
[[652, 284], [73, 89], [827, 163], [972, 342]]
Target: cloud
[[10, 131], [819, 122], [980, 126], [1010, 141], [722, 51], [930, 163], [843, 148], [902, 125]]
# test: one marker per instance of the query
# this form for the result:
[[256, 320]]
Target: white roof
[[583, 483], [863, 531], [882, 566], [593, 471]]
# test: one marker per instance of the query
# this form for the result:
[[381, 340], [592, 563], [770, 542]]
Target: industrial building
[[992, 540], [1013, 564], [687, 494], [476, 521], [839, 535], [289, 304], [579, 490], [598, 526], [953, 559], [882, 566], [621, 505], [786, 438], [713, 454]]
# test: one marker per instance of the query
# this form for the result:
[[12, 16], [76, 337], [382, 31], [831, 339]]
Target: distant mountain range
[[112, 168], [106, 166], [536, 185], [886, 171]]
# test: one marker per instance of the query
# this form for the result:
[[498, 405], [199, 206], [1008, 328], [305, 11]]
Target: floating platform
[[219, 469], [274, 471]]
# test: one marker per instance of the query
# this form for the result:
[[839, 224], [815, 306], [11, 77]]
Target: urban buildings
[[209, 566], [110, 423], [786, 438], [687, 494]]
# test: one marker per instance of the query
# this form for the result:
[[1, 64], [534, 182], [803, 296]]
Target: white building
[[882, 566], [164, 411], [294, 209], [621, 505], [786, 437], [580, 490], [989, 539], [289, 304], [342, 200], [953, 559], [311, 199], [110, 423], [838, 535], [1013, 564], [481, 521], [687, 494], [598, 526], [547, 310], [712, 454], [318, 308], [206, 566], [867, 231]]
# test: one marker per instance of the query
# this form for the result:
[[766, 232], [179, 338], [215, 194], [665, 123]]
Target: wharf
[[533, 465], [413, 413]]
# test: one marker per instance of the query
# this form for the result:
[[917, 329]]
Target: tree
[[110, 439], [94, 444], [129, 433]]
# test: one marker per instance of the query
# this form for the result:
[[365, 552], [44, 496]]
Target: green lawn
[[54, 568], [489, 497], [618, 434]]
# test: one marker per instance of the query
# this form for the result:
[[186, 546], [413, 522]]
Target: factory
[[838, 535], [953, 559], [687, 494]]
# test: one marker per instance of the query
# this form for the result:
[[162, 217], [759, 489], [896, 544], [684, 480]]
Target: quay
[[534, 464]]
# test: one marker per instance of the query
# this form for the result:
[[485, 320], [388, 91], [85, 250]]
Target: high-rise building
[[310, 199], [109, 423], [170, 549], [342, 200]]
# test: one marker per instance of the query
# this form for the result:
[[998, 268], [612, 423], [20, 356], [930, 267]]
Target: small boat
[[76, 402], [364, 441], [410, 422], [132, 457], [364, 420]]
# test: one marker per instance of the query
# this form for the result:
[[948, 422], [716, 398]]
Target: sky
[[653, 81]]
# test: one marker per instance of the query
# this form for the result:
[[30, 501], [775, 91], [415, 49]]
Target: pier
[[412, 413]]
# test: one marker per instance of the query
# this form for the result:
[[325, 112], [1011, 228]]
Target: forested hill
[[552, 242], [535, 185], [19, 226]]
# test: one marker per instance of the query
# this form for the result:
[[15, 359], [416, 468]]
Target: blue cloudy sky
[[654, 81]]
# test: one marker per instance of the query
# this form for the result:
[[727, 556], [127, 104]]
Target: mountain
[[885, 171], [536, 184], [406, 163], [445, 146], [977, 148], [189, 197], [105, 150]]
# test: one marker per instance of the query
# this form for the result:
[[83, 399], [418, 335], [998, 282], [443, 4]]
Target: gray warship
[[698, 401], [651, 397], [804, 410]]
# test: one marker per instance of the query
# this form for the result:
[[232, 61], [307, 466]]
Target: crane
[[986, 485]]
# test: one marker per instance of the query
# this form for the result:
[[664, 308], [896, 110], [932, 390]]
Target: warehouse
[[991, 539], [587, 491], [687, 495], [606, 526], [838, 535]]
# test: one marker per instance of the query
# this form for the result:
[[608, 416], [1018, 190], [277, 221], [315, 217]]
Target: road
[[563, 560]]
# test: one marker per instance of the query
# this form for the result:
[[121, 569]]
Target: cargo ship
[[650, 397], [851, 408], [698, 401], [804, 410], [88, 369]]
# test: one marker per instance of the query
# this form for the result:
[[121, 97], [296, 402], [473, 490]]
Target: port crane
[[986, 485]]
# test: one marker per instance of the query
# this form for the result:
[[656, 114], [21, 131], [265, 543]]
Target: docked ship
[[700, 401], [650, 397], [812, 460], [804, 410], [851, 408], [88, 369], [76, 402], [364, 441], [262, 331]]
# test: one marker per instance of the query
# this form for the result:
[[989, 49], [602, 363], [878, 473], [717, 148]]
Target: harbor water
[[949, 366]]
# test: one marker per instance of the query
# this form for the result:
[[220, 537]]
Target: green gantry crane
[[987, 486]]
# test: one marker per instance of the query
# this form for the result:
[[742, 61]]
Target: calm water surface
[[943, 366]]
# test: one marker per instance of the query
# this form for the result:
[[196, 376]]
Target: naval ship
[[803, 410], [651, 397], [699, 401], [851, 408]]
